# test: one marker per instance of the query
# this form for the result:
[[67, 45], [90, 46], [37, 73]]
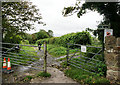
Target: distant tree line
[[32, 38]]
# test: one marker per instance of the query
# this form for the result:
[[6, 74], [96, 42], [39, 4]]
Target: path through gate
[[87, 58]]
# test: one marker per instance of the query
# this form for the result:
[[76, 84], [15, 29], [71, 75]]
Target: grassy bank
[[84, 77]]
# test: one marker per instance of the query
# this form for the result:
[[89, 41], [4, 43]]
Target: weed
[[28, 78], [64, 64], [43, 74]]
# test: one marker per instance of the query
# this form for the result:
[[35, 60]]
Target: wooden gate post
[[45, 57]]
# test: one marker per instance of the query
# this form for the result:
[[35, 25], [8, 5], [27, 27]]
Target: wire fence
[[87, 58]]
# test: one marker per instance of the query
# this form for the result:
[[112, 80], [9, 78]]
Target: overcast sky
[[51, 11]]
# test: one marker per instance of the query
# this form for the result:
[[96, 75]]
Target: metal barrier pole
[[67, 55], [45, 57]]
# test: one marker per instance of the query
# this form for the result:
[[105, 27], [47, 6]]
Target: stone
[[113, 75], [117, 64], [118, 41], [116, 50], [110, 61], [117, 57], [113, 68], [110, 40], [108, 47], [112, 58]]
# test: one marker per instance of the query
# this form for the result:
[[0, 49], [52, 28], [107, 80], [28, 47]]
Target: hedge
[[74, 38]]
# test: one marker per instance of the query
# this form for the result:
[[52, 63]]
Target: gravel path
[[57, 76]]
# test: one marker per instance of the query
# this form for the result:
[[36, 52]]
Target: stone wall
[[112, 58]]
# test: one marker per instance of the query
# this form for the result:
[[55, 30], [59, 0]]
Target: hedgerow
[[74, 38]]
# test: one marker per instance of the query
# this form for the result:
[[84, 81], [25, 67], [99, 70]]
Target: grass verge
[[84, 77]]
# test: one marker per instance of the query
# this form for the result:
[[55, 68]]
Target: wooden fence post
[[45, 57]]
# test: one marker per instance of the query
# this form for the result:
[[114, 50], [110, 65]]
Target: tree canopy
[[110, 11], [42, 34], [18, 17]]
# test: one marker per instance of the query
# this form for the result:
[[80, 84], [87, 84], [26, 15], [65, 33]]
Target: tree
[[42, 34], [34, 38], [18, 17], [28, 37], [110, 10], [50, 33]]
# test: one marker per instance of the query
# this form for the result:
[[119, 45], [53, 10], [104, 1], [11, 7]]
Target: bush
[[42, 40], [91, 50], [63, 65], [52, 40], [24, 42], [101, 69], [102, 81], [74, 38], [57, 51], [100, 66]]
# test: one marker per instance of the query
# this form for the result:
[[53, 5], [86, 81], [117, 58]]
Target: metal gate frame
[[69, 56], [15, 46]]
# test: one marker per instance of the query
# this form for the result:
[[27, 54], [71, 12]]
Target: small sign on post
[[83, 48], [107, 32]]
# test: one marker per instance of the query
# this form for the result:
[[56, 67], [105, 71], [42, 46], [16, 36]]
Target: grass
[[84, 77], [43, 74], [22, 57], [27, 54], [28, 78], [57, 51], [27, 50]]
